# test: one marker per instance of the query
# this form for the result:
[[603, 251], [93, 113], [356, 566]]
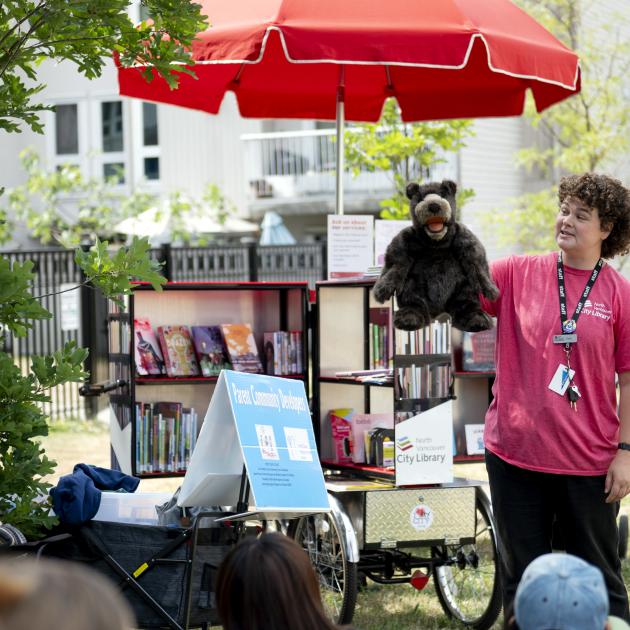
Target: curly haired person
[[557, 438]]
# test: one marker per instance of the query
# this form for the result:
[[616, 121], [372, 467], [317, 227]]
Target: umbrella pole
[[340, 124]]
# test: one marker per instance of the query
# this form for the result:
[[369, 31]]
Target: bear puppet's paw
[[410, 318], [473, 321], [491, 292], [382, 291]]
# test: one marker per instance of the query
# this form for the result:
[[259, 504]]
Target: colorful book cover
[[210, 350], [179, 354], [148, 355], [242, 349], [341, 427]]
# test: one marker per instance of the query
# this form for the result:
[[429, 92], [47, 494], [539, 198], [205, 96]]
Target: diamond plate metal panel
[[420, 514]]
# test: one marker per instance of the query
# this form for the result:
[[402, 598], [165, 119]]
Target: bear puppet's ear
[[448, 187], [412, 190]]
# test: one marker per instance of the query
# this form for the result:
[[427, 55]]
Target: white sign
[[424, 447], [350, 245], [70, 307], [474, 439], [384, 232]]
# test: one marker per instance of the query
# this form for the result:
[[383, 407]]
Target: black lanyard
[[569, 326]]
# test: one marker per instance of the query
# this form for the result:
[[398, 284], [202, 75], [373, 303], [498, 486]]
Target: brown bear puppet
[[436, 265]]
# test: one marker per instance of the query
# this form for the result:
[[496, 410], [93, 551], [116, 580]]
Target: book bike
[[257, 443], [384, 527]]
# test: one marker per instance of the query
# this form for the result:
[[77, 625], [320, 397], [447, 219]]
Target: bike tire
[[320, 537], [472, 594]]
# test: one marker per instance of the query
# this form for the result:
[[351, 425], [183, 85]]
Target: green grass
[[379, 607]]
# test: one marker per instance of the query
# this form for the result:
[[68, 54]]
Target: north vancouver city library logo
[[404, 444]]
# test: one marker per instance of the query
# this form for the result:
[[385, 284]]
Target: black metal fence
[[55, 271], [242, 263], [80, 314]]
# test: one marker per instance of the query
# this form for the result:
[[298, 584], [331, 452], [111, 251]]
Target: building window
[[152, 168], [112, 144], [149, 124], [146, 142], [102, 136], [66, 130], [112, 126], [114, 170]]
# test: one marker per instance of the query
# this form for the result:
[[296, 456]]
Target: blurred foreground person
[[52, 594], [563, 592], [268, 583]]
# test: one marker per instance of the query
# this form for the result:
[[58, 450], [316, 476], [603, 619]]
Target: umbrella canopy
[[440, 59], [328, 60], [156, 223], [273, 231]]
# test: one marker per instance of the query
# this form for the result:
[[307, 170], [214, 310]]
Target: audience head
[[560, 591], [55, 594], [268, 583]]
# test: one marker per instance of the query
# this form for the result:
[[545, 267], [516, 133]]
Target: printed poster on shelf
[[424, 447], [384, 232], [350, 245], [264, 423], [474, 439]]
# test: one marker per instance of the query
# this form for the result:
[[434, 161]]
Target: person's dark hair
[[612, 201], [268, 583]]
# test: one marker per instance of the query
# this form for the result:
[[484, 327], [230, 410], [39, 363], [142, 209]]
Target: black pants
[[525, 504]]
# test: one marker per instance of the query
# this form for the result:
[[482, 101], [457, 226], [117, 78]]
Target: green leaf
[[115, 274], [404, 151]]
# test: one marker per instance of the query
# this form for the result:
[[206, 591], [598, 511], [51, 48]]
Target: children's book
[[210, 350], [148, 356], [341, 428], [177, 347], [242, 349]]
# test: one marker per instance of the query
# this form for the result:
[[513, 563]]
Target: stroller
[[167, 573]]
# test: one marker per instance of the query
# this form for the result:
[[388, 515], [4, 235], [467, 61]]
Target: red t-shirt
[[528, 424]]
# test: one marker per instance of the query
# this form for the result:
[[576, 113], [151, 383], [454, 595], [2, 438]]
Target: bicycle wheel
[[468, 586], [319, 535]]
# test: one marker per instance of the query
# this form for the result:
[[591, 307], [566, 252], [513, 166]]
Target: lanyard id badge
[[568, 327]]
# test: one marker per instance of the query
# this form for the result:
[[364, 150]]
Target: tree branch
[[78, 286], [14, 51], [21, 21]]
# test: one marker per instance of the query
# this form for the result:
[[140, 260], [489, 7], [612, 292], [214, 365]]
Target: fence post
[[325, 260], [88, 332], [252, 261], [167, 261]]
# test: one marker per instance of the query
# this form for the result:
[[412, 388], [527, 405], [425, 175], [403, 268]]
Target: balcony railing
[[292, 164], [301, 164]]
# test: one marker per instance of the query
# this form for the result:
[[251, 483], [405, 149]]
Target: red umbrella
[[340, 59]]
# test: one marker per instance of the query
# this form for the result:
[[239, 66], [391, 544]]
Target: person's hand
[[617, 484]]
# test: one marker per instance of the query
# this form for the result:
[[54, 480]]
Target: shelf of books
[[473, 360], [368, 376], [170, 346]]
